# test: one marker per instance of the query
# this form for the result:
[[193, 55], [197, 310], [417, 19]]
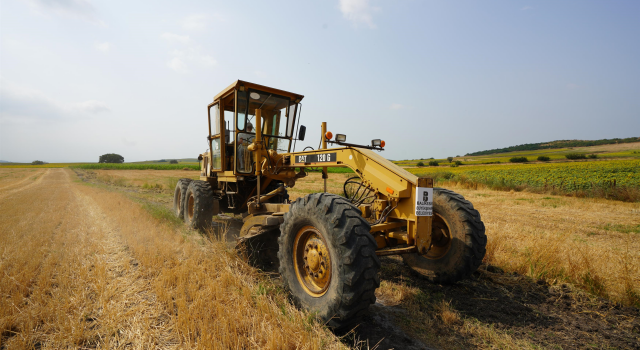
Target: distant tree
[[519, 160], [450, 159], [593, 156], [544, 158], [111, 158], [433, 163], [575, 156], [162, 160], [460, 163], [420, 164], [38, 162], [173, 161]]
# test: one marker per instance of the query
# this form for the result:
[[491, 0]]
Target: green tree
[[420, 164], [518, 160], [37, 162], [450, 159], [173, 161], [111, 158]]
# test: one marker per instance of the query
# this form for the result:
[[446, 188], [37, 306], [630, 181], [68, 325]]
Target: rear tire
[[178, 197], [327, 259], [458, 240], [198, 205]]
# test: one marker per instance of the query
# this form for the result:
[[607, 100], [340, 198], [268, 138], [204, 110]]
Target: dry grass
[[83, 267], [157, 179], [14, 177], [447, 314], [314, 183], [588, 242]]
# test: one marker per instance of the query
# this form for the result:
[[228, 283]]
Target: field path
[[71, 280]]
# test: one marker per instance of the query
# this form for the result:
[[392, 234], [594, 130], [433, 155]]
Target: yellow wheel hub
[[312, 261]]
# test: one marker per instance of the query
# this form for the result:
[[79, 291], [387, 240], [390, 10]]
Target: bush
[[593, 156], [111, 158], [162, 160], [576, 156], [38, 162], [544, 158], [458, 162], [420, 164], [173, 161], [433, 163], [519, 160], [450, 159]]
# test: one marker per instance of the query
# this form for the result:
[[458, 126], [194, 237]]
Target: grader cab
[[328, 246]]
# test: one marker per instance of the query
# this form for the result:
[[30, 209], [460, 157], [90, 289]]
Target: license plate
[[317, 158]]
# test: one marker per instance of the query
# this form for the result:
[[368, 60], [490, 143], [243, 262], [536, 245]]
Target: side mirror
[[301, 132]]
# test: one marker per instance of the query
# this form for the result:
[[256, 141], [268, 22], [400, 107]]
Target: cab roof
[[238, 84]]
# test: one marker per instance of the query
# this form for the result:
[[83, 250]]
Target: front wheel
[[458, 240], [327, 258]]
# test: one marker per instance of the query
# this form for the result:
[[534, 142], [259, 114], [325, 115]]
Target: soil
[[550, 316]]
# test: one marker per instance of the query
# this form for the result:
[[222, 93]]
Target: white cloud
[[91, 106], [177, 65], [175, 38], [526, 8], [104, 47], [199, 21], [22, 104], [396, 106], [358, 11], [182, 58], [195, 22], [80, 9]]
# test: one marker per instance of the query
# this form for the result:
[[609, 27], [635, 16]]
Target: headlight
[[376, 142], [341, 137]]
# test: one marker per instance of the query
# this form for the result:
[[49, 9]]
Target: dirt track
[[76, 275]]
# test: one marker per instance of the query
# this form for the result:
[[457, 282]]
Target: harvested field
[[113, 268], [85, 267]]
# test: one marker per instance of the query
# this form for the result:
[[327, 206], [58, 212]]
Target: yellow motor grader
[[328, 246]]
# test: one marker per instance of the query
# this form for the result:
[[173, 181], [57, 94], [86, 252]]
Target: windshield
[[278, 113]]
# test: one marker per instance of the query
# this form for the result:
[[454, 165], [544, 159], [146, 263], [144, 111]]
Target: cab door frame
[[212, 137]]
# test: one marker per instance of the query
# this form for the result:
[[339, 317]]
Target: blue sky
[[81, 78]]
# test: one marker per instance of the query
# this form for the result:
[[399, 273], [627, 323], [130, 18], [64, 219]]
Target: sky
[[81, 78]]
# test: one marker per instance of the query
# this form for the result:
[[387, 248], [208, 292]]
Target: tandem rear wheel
[[458, 240]]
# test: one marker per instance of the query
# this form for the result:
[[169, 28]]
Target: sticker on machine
[[424, 201]]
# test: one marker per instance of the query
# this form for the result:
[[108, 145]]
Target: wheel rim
[[312, 261], [440, 238], [190, 207]]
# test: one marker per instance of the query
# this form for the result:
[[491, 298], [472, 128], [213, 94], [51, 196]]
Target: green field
[[617, 179], [628, 151], [136, 166]]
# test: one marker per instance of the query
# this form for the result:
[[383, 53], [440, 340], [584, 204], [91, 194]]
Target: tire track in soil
[[128, 292], [19, 189], [20, 181]]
